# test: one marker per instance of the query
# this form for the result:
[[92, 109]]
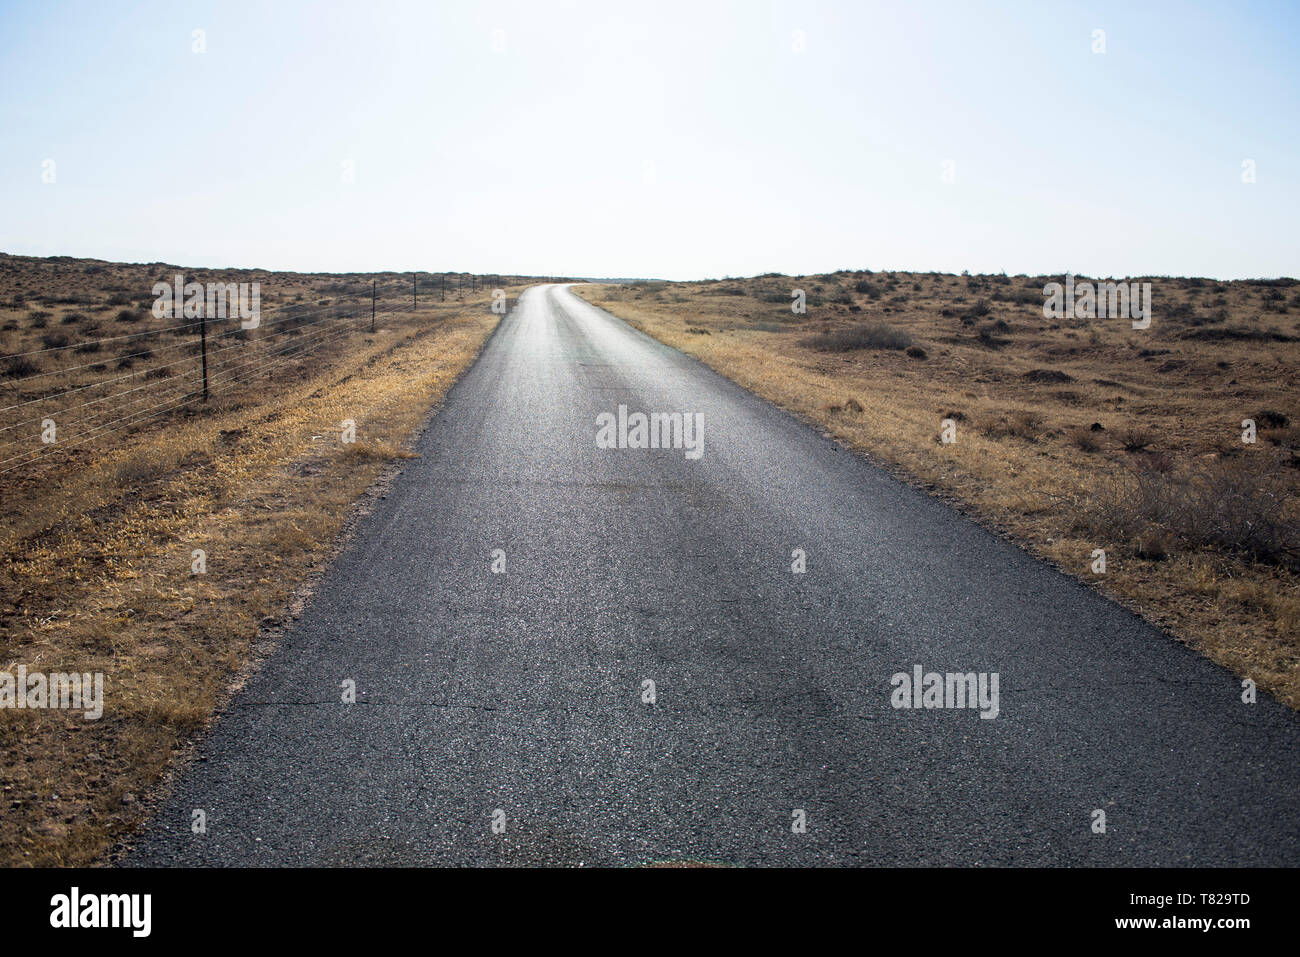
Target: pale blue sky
[[672, 139]]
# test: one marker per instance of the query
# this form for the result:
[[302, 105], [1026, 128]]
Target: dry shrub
[[871, 335], [18, 368], [1013, 425], [850, 406], [1085, 439], [1135, 439], [1245, 507], [147, 466], [1047, 375]]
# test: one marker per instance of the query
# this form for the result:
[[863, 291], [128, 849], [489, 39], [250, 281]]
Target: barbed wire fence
[[163, 370]]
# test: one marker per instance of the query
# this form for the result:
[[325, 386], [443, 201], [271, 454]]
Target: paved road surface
[[523, 691]]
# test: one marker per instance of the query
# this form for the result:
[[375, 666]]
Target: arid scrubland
[[1069, 435], [157, 548], [162, 534]]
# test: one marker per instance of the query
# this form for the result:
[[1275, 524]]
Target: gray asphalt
[[523, 691]]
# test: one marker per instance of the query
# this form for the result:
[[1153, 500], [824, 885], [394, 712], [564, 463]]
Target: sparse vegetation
[[1085, 439], [1019, 424], [1135, 438], [872, 335], [1233, 506]]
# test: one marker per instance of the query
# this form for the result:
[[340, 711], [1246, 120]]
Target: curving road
[[524, 691]]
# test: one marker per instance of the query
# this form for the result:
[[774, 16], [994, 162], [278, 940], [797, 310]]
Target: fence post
[[203, 345], [372, 305], [415, 296]]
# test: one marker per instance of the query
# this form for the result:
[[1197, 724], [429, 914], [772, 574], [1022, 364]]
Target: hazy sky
[[671, 139]]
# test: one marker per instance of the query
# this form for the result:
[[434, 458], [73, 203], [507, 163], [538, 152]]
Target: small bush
[[145, 467], [1018, 425], [1245, 507], [1270, 419], [130, 315], [850, 406], [1160, 462], [18, 368], [916, 352], [1084, 439], [1154, 544], [1135, 439], [875, 335], [1048, 375]]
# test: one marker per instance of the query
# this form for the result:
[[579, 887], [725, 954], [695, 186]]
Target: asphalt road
[[523, 691]]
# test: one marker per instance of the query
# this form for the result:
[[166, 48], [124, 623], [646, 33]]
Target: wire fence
[[86, 396]]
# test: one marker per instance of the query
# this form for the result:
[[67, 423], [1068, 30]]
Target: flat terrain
[[1072, 435], [523, 690]]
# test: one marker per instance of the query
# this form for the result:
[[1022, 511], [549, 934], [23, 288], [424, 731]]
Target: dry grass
[[98, 545], [1071, 435]]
